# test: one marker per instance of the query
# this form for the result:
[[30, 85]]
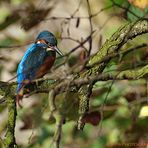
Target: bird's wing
[[32, 60]]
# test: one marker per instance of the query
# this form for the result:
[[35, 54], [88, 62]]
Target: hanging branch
[[9, 140]]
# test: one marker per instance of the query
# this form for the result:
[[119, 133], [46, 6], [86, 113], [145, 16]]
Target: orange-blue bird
[[37, 61]]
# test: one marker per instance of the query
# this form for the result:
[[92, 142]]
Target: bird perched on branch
[[37, 61]]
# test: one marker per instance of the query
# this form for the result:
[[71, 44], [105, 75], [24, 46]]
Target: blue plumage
[[48, 36], [32, 60]]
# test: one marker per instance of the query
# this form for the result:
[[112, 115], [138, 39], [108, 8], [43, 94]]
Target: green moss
[[134, 74]]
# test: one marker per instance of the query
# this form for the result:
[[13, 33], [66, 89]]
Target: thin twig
[[91, 28]]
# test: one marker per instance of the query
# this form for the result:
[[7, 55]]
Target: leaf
[[82, 56], [92, 118], [138, 12], [11, 19], [144, 111], [34, 17], [72, 61], [139, 3], [78, 22], [27, 122], [119, 2]]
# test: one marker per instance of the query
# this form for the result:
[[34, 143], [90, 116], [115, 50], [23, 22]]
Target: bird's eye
[[48, 44]]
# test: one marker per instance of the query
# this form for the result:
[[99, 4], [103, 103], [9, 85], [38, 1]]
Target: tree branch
[[118, 39], [9, 140]]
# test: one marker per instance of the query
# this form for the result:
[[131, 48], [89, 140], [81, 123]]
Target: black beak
[[58, 50]]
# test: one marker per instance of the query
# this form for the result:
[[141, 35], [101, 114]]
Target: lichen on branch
[[118, 39]]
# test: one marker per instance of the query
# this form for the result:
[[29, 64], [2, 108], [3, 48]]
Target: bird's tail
[[20, 91], [19, 96]]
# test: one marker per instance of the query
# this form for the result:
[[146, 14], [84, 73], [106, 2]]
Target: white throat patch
[[49, 49]]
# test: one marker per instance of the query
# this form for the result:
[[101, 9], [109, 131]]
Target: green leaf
[[138, 12], [120, 2]]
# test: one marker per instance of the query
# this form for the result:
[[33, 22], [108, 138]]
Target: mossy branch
[[111, 46], [9, 140], [98, 62], [118, 39]]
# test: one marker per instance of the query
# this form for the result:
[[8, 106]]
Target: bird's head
[[49, 39]]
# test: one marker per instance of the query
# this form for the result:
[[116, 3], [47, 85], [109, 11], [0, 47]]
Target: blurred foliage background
[[124, 103]]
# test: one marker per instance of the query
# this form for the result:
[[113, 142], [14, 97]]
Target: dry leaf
[[139, 3], [92, 118]]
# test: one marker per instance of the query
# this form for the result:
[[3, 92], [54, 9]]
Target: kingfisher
[[37, 61]]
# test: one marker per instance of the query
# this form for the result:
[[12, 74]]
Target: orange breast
[[45, 67]]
